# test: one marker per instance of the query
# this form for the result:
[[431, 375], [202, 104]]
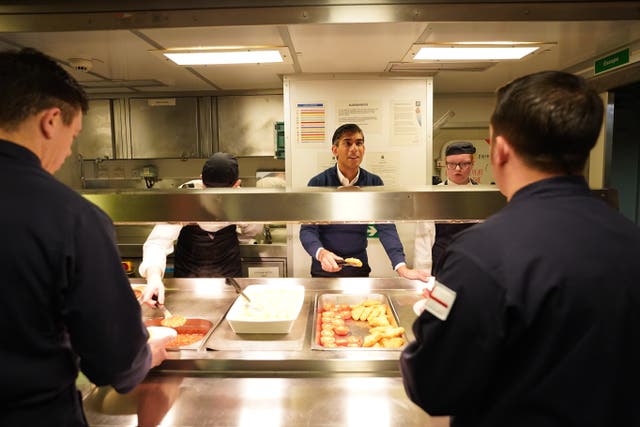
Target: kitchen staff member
[[66, 301], [205, 249], [330, 243], [431, 238], [543, 330]]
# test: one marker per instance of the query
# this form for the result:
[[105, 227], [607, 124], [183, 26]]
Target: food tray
[[191, 326], [272, 310], [358, 330]]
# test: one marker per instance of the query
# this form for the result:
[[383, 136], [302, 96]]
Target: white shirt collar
[[343, 179]]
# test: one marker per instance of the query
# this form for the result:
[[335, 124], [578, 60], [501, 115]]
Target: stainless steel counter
[[273, 382]]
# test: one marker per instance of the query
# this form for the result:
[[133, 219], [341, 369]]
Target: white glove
[[154, 287]]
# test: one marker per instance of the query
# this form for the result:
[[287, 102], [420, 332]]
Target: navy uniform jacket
[[545, 330], [348, 240], [66, 301]]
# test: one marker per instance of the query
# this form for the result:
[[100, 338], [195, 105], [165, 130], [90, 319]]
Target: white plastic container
[[273, 309]]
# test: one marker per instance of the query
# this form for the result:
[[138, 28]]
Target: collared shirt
[[344, 180]]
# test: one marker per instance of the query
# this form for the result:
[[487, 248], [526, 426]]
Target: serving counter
[[229, 380], [271, 379]]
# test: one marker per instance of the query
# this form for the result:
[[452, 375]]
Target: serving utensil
[[350, 262], [231, 281]]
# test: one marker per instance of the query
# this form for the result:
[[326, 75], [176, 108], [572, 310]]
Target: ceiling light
[[227, 55], [494, 51]]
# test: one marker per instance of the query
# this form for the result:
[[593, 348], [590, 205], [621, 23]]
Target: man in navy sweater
[[328, 244]]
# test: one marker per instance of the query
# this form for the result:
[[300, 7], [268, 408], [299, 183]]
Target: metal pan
[[356, 328], [192, 326]]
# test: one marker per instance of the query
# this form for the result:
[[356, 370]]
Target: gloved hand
[[154, 288]]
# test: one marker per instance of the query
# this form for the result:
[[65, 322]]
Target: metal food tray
[[191, 326], [357, 328]]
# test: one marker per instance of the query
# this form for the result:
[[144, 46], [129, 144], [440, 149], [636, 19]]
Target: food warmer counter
[[229, 379], [226, 380]]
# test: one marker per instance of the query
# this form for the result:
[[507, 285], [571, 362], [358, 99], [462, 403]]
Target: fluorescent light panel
[[455, 53], [225, 57]]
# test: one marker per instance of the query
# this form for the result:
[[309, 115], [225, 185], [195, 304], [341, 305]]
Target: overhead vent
[[434, 67]]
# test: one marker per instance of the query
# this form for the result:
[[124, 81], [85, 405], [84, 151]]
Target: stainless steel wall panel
[[162, 129]]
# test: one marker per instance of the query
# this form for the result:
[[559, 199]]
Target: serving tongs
[[349, 262]]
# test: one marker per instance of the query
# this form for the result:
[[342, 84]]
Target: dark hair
[[31, 82], [346, 128], [551, 119]]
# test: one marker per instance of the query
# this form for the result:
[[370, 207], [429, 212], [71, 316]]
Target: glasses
[[461, 165]]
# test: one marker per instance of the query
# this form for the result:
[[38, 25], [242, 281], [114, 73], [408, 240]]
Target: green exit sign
[[612, 61]]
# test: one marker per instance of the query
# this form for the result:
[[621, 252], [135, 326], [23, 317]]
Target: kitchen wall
[[125, 137], [104, 157]]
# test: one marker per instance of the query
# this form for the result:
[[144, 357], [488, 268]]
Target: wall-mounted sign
[[612, 61]]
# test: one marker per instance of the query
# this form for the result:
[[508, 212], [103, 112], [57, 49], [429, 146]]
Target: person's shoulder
[[370, 178], [324, 178]]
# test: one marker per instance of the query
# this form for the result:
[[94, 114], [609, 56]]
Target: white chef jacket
[[160, 241]]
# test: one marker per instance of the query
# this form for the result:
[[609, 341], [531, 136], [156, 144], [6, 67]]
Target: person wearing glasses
[[459, 161], [330, 244], [431, 238]]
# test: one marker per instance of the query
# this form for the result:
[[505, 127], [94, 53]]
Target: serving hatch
[[356, 322]]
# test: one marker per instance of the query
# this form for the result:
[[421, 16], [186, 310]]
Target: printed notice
[[386, 165], [365, 114], [311, 122], [406, 122]]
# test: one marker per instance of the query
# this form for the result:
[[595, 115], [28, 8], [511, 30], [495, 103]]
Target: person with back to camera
[[67, 304], [206, 249], [328, 244], [431, 238], [543, 330]]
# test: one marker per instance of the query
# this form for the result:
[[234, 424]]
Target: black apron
[[201, 253], [444, 235]]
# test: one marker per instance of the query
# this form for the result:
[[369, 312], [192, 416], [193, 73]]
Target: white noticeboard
[[396, 116]]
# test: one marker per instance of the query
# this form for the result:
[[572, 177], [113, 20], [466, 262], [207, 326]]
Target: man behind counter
[[203, 249], [330, 243], [66, 301], [544, 329]]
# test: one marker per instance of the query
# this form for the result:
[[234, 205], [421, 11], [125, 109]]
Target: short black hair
[[552, 119], [30, 82], [346, 128]]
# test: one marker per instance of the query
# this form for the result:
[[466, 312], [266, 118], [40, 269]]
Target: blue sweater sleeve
[[391, 242]]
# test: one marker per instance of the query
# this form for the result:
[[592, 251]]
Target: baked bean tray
[[356, 322], [190, 335]]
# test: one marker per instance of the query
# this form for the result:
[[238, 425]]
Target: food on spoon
[[173, 321], [353, 262]]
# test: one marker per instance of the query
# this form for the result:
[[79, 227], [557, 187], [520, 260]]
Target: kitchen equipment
[[190, 335], [357, 332], [279, 306], [231, 281], [350, 262]]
